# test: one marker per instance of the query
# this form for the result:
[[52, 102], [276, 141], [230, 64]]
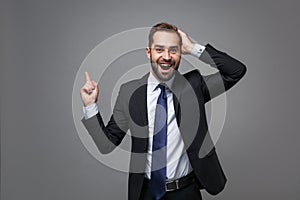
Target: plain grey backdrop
[[43, 44]]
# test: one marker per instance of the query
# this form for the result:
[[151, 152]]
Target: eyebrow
[[161, 46]]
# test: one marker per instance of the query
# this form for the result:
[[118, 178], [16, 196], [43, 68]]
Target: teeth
[[165, 65]]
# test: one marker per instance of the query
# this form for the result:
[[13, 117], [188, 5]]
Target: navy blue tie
[[159, 155]]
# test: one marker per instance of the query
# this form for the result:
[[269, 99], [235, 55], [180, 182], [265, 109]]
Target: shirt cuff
[[197, 50], [90, 111]]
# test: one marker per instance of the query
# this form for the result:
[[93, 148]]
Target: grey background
[[43, 44]]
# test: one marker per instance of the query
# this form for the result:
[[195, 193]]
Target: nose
[[166, 55]]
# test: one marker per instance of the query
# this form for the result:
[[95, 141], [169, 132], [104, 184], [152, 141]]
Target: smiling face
[[164, 54]]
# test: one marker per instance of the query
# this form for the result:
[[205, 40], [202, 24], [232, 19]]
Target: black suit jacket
[[190, 91]]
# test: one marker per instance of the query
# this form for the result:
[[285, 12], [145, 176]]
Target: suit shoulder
[[134, 84], [193, 75], [129, 84]]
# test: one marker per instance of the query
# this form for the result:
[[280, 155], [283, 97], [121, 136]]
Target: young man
[[165, 113]]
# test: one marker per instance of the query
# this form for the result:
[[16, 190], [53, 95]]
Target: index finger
[[87, 76], [181, 32]]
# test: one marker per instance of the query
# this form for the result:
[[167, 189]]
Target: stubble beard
[[155, 69]]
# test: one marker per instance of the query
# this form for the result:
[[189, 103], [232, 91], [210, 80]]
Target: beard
[[157, 66]]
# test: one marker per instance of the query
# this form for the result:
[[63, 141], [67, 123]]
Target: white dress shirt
[[178, 164]]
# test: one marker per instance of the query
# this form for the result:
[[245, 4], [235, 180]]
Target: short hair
[[163, 26]]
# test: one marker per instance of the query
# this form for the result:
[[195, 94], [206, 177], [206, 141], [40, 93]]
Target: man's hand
[[89, 92], [187, 44]]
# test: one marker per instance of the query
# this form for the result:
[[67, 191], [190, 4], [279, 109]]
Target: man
[[165, 113]]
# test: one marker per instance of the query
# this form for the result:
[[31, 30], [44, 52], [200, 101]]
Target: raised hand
[[187, 44], [89, 92]]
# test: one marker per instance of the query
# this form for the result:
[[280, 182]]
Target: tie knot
[[161, 86], [163, 90]]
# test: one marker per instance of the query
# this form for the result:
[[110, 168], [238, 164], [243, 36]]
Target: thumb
[[94, 83]]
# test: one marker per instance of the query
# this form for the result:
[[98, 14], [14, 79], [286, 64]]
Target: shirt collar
[[153, 82]]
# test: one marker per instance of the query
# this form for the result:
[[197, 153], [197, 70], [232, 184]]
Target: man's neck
[[169, 82]]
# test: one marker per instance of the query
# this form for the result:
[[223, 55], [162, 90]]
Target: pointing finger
[[87, 76]]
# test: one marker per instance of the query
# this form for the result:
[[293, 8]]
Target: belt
[[180, 183]]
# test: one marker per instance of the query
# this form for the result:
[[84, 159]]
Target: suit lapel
[[177, 109], [138, 102], [186, 105], [176, 89]]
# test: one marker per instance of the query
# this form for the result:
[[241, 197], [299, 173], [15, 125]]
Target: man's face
[[164, 54]]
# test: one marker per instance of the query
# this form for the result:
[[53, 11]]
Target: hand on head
[[187, 44]]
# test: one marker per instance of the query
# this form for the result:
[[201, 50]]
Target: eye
[[158, 49], [173, 50]]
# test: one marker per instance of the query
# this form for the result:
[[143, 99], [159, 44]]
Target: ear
[[148, 52]]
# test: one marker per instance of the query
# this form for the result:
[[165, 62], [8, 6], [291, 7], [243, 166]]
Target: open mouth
[[165, 66]]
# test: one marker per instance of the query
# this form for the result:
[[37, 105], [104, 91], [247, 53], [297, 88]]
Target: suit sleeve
[[108, 137], [230, 72]]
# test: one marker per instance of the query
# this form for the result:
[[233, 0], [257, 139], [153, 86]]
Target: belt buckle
[[176, 184]]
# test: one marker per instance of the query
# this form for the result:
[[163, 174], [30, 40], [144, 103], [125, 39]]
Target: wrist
[[190, 47], [88, 105], [197, 50], [90, 110]]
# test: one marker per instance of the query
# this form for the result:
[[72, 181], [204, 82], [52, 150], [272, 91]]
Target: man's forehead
[[165, 38], [163, 46]]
